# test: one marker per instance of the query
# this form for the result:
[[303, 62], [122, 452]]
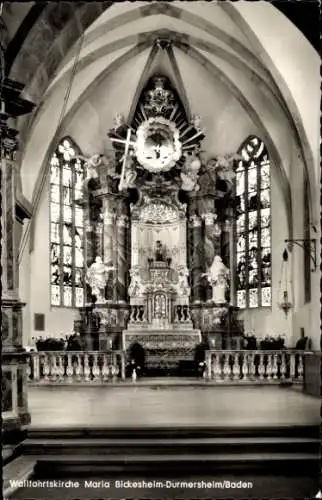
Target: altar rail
[[76, 367], [228, 367], [255, 366]]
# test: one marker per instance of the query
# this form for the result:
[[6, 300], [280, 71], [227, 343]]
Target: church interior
[[160, 195]]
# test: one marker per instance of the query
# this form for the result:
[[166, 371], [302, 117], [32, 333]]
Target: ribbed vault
[[225, 43]]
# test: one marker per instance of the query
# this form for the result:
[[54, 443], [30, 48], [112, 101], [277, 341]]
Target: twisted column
[[195, 253], [121, 247], [209, 220], [108, 231]]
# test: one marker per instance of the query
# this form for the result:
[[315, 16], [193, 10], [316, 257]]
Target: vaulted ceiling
[[245, 69]]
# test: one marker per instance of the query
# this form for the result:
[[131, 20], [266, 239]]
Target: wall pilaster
[[15, 415]]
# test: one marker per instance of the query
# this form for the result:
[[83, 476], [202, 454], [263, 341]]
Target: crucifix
[[127, 143]]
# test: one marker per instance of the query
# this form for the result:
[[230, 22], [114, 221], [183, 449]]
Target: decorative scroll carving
[[158, 212], [159, 100]]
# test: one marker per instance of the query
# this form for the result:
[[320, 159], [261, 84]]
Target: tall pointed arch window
[[67, 173], [253, 226]]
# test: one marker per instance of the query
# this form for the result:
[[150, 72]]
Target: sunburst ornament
[[158, 146]]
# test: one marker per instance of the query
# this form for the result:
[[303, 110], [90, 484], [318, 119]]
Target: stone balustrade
[[255, 366], [227, 367], [76, 367]]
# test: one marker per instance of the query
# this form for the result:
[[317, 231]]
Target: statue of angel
[[196, 122], [223, 167], [189, 174], [118, 120], [97, 276], [218, 276]]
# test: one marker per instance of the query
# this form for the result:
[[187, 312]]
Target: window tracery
[[67, 174], [253, 226]]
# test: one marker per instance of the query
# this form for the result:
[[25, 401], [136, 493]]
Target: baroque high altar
[[158, 234]]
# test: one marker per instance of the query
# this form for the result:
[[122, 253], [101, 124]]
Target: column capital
[[122, 220], [209, 218], [195, 221]]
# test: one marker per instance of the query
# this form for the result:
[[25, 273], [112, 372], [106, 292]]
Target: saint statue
[[182, 286], [96, 277], [218, 275], [135, 289], [159, 252]]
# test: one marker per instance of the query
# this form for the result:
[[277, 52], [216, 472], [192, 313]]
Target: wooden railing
[[254, 366], [76, 367]]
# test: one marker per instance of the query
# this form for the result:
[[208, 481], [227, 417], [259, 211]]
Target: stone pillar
[[122, 265], [15, 416], [195, 240]]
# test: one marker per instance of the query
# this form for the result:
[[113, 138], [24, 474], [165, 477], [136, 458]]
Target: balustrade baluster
[[245, 366], [87, 370], [29, 367], [269, 367], [54, 367], [226, 370], [96, 369], [252, 367], [105, 370], [78, 368], [69, 368], [46, 367], [236, 367], [292, 366], [35, 359], [300, 367], [208, 367], [114, 370], [283, 366], [216, 370], [261, 368], [60, 367], [275, 366]]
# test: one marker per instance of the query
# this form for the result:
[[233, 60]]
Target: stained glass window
[[67, 173], [253, 226]]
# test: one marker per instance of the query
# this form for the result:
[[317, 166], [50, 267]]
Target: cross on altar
[[127, 143]]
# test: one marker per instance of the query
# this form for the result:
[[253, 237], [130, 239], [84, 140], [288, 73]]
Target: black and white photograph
[[160, 250]]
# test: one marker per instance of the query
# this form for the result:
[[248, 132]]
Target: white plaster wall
[[58, 321], [293, 62]]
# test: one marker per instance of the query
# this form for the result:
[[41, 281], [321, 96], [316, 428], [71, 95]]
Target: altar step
[[162, 451]]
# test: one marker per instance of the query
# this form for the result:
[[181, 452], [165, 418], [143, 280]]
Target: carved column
[[196, 266], [229, 234], [121, 249], [108, 232], [209, 220], [15, 416]]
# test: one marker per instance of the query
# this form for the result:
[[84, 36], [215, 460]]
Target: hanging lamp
[[284, 303]]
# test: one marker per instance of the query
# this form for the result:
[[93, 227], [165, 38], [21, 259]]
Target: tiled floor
[[103, 406]]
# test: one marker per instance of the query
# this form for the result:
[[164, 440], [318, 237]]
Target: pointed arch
[[252, 231], [67, 173]]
